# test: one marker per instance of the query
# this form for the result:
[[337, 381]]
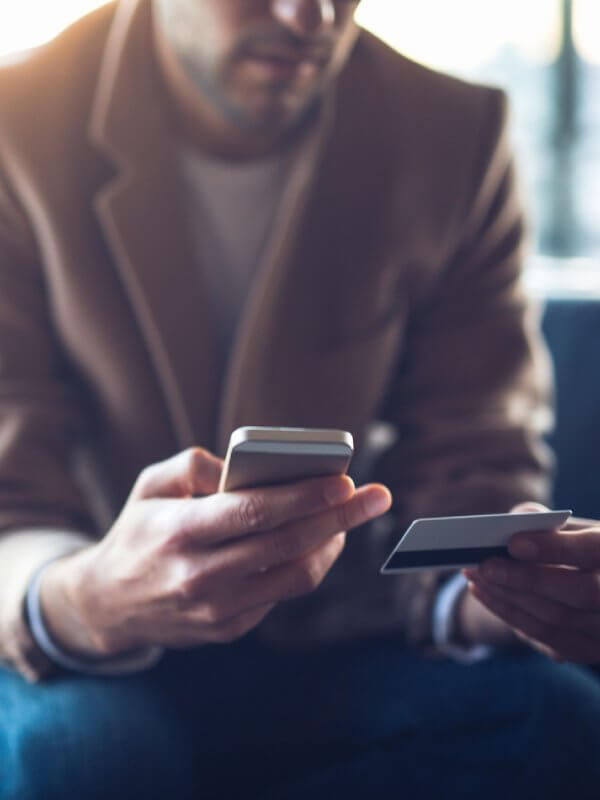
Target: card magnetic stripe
[[440, 558]]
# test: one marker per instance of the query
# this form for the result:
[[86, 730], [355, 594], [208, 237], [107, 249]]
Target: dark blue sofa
[[572, 330]]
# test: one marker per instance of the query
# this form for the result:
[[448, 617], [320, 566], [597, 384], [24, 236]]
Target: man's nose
[[304, 17]]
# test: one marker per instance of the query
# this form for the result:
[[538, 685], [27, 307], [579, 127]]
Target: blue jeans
[[370, 721]]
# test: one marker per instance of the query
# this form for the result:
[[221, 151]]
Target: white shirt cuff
[[444, 612], [132, 661]]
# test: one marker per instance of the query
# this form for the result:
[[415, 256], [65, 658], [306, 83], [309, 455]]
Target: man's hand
[[550, 593], [178, 569]]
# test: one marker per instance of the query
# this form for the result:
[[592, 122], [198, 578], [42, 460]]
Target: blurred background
[[544, 53]]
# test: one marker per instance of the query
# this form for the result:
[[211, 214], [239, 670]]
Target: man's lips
[[286, 66], [290, 55]]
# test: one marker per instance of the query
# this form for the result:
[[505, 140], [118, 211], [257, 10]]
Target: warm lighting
[[458, 35], [28, 23], [586, 30], [513, 44]]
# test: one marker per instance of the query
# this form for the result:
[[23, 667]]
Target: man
[[250, 212]]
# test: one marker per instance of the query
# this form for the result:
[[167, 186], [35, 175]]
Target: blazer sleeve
[[469, 401], [41, 418], [472, 397]]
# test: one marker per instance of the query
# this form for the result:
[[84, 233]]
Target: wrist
[[71, 644], [67, 603], [447, 632], [474, 624]]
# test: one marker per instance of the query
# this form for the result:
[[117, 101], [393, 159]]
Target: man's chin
[[272, 117], [267, 121]]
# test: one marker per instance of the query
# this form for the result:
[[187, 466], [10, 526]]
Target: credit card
[[438, 542]]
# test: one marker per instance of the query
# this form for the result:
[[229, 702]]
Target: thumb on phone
[[193, 471]]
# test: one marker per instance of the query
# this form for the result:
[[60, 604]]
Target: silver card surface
[[461, 541]]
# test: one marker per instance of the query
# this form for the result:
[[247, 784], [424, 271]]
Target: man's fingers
[[568, 644], [230, 515], [572, 587], [263, 590], [194, 471], [296, 578], [579, 548], [547, 610], [295, 539]]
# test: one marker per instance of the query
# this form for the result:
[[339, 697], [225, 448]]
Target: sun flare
[[459, 35]]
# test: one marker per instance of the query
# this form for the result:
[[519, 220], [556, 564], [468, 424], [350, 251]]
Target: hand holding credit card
[[438, 542]]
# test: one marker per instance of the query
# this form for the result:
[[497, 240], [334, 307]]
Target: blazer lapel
[[320, 331], [291, 363], [247, 356], [142, 214]]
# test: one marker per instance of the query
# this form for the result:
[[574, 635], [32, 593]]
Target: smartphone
[[260, 456]]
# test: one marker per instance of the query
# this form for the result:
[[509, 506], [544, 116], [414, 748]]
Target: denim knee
[[90, 738], [562, 746]]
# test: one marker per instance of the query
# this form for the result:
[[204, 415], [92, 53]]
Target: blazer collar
[[280, 369], [309, 350], [141, 211]]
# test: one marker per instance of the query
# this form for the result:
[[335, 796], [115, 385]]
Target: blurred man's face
[[260, 63]]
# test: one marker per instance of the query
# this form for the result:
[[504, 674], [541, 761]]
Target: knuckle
[[213, 615], [344, 517], [194, 460], [184, 594], [187, 582], [185, 524], [310, 576], [185, 585], [144, 479], [253, 513], [192, 456]]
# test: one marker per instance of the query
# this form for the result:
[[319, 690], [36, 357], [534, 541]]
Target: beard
[[265, 106], [257, 110]]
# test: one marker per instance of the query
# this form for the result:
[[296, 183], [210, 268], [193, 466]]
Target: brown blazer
[[390, 293]]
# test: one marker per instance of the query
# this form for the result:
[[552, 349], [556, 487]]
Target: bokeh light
[[587, 29], [464, 34], [28, 23], [453, 35]]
